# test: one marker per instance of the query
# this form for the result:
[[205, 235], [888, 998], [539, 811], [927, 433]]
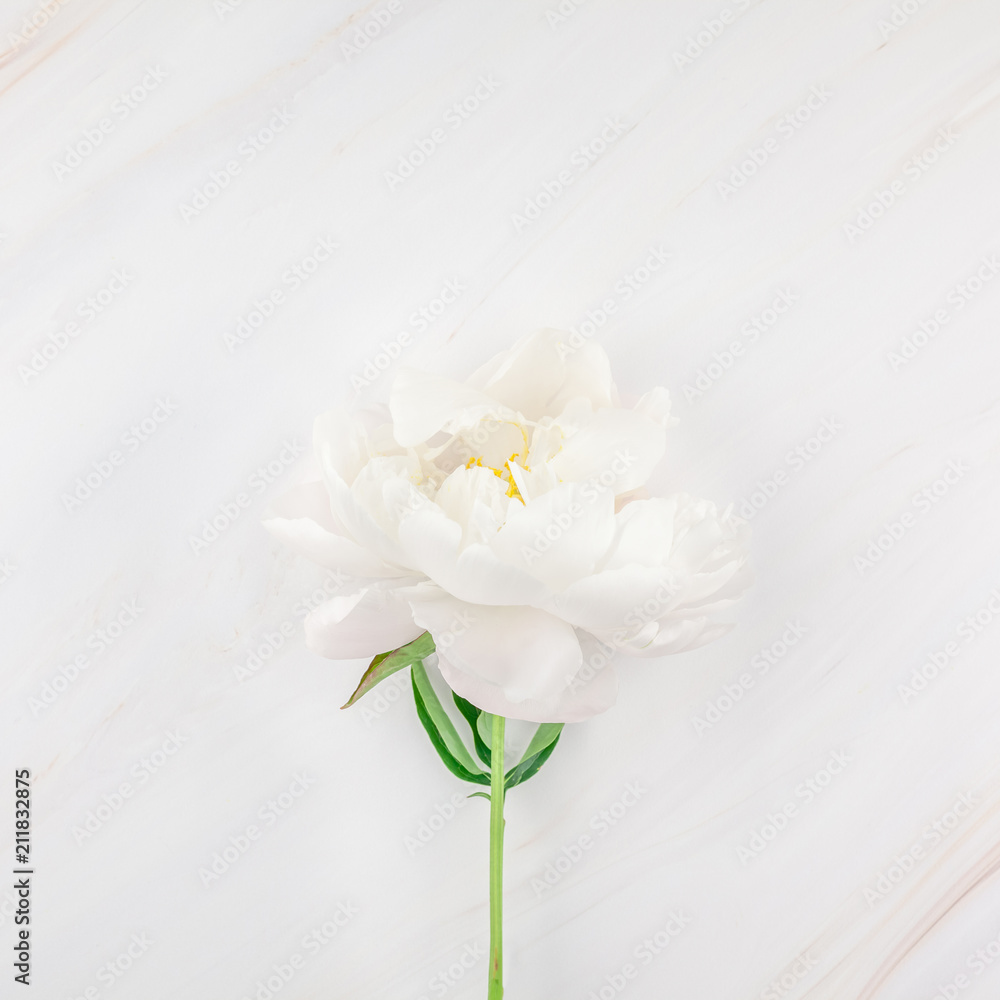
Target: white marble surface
[[303, 126]]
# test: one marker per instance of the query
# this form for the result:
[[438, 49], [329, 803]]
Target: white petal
[[475, 499], [432, 543], [543, 371], [620, 599], [679, 638], [617, 448], [644, 532], [695, 543], [560, 536], [370, 509], [715, 589], [340, 444], [525, 653], [532, 483], [588, 376], [655, 404], [370, 622], [547, 440], [580, 699], [704, 539], [304, 521], [351, 489], [423, 404]]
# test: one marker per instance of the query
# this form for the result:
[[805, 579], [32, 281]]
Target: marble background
[[218, 219]]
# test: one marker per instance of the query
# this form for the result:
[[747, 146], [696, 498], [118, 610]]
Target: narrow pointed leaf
[[529, 767], [386, 664], [471, 715], [546, 733], [482, 795], [442, 751], [438, 743], [442, 724], [485, 728]]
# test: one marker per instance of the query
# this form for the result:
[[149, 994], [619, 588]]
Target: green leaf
[[442, 733], [482, 795], [535, 754], [529, 767], [485, 728], [471, 715], [386, 664], [546, 733]]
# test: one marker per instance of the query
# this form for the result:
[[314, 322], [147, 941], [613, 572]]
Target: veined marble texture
[[218, 219]]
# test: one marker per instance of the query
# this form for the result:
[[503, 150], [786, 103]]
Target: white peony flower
[[506, 516]]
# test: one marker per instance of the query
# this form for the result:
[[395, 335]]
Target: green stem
[[496, 860]]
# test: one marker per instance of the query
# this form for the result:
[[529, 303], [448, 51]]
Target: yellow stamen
[[512, 490], [504, 474]]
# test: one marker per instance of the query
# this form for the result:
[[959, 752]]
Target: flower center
[[504, 474]]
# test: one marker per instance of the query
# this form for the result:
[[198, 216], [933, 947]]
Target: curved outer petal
[[340, 443], [695, 543], [644, 534], [619, 599], [708, 559], [580, 699], [679, 638], [366, 510], [422, 404], [303, 520], [559, 536], [714, 589], [524, 655], [655, 404], [588, 375], [476, 500], [543, 371], [474, 573], [372, 621], [616, 448]]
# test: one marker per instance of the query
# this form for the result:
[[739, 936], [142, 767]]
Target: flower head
[[507, 516]]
